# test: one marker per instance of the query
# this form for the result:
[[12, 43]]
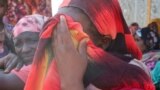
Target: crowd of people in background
[[148, 40], [37, 51], [148, 37]]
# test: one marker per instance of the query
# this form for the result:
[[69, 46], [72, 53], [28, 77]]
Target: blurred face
[[133, 29], [25, 45]]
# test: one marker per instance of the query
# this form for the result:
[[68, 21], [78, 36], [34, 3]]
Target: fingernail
[[6, 71], [62, 23], [62, 17]]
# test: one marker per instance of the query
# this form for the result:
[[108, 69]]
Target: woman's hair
[[134, 24]]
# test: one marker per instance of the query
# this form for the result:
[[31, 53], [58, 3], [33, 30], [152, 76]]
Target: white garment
[[141, 65]]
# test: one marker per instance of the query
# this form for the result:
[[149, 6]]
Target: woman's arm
[[71, 63], [10, 82]]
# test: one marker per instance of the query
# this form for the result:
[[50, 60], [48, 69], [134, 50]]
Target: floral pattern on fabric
[[16, 10]]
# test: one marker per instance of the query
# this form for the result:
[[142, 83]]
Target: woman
[[25, 37], [73, 67]]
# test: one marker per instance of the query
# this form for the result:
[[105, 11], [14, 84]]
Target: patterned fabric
[[151, 58], [152, 61], [103, 71], [155, 73], [42, 7], [32, 23], [150, 38], [16, 10], [19, 8], [107, 16]]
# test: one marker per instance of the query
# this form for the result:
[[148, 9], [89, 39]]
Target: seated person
[[150, 36], [25, 37], [147, 39], [134, 27], [148, 43], [152, 61]]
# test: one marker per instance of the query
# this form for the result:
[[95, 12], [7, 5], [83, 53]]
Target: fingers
[[11, 65], [62, 38], [3, 60], [62, 26], [54, 39], [19, 66], [68, 59], [83, 48], [63, 34], [7, 63]]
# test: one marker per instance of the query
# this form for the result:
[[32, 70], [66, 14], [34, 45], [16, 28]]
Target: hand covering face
[[107, 17], [103, 69]]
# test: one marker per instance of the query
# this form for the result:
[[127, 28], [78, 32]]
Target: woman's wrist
[[72, 85]]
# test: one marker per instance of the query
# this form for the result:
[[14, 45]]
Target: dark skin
[[7, 82], [72, 66], [25, 45], [88, 27], [74, 62], [62, 43], [12, 60], [14, 63], [77, 56]]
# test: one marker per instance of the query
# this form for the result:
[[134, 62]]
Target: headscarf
[[31, 23], [16, 10], [102, 70], [107, 16]]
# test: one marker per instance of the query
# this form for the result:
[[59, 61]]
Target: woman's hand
[[71, 63], [10, 62]]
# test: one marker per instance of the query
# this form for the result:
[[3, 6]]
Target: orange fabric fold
[[107, 17]]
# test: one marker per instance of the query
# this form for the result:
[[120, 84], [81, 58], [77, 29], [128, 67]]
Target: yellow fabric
[[157, 20]]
